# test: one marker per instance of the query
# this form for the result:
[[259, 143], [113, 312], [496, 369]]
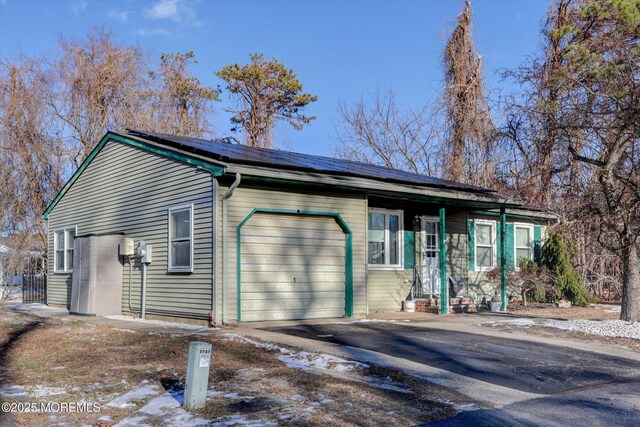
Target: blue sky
[[340, 50]]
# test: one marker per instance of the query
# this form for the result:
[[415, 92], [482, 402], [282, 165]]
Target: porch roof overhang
[[469, 200]]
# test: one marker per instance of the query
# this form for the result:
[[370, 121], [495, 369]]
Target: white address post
[[195, 391]]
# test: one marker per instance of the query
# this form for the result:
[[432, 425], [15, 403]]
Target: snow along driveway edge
[[474, 389]]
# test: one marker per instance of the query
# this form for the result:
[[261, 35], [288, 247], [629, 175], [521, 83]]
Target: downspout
[[214, 211], [227, 195]]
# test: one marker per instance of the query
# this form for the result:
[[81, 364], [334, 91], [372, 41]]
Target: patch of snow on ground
[[132, 422], [215, 393], [460, 407], [165, 409], [43, 391], [32, 391], [140, 393], [11, 293], [239, 420], [374, 321], [307, 361], [304, 360], [39, 307], [158, 322], [525, 323], [12, 391], [604, 328]]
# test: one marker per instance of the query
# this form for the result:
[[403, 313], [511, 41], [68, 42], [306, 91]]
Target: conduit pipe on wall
[[227, 195], [143, 305]]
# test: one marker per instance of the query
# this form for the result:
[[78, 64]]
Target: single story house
[[250, 234]]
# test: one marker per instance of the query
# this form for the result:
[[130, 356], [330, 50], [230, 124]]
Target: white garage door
[[292, 268]]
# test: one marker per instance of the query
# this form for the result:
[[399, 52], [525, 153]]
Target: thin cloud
[[78, 6], [154, 32], [178, 11], [118, 15]]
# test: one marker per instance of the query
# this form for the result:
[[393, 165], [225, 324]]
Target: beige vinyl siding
[[129, 190], [352, 208], [292, 268], [457, 258], [388, 288]]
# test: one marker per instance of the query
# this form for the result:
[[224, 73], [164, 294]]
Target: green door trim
[[348, 258], [217, 170]]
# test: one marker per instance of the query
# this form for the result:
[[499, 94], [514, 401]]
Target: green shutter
[[537, 244], [409, 250], [509, 249], [471, 245]]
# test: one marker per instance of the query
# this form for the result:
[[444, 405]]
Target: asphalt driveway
[[552, 385], [522, 365]]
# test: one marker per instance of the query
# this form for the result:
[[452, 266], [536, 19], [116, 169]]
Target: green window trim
[[216, 169], [471, 245], [348, 258]]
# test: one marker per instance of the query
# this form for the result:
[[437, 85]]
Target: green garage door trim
[[348, 260]]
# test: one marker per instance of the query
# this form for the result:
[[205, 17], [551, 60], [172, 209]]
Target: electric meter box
[[127, 247]]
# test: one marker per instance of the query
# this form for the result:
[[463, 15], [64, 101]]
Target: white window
[[181, 239], [63, 242], [485, 241], [385, 238], [523, 245]]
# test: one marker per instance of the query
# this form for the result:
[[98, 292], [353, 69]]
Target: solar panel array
[[237, 153]]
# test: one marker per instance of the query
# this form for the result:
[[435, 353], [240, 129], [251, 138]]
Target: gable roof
[[242, 154], [216, 168], [218, 156]]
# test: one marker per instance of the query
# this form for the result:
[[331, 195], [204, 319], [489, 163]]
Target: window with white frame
[[385, 238], [485, 242], [63, 242], [523, 244], [181, 239]]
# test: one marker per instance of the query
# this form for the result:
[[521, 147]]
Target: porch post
[[503, 259], [444, 286]]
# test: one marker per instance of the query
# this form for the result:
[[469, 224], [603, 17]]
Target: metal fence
[[34, 288]]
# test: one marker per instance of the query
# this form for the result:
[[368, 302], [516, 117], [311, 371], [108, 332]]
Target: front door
[[430, 255]]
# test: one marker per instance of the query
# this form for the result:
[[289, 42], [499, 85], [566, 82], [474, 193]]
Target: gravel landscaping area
[[603, 328], [598, 322]]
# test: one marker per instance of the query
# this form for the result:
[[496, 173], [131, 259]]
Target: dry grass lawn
[[98, 363], [599, 311]]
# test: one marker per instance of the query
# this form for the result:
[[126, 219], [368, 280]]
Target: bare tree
[[375, 130], [32, 155], [99, 88], [468, 122]]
